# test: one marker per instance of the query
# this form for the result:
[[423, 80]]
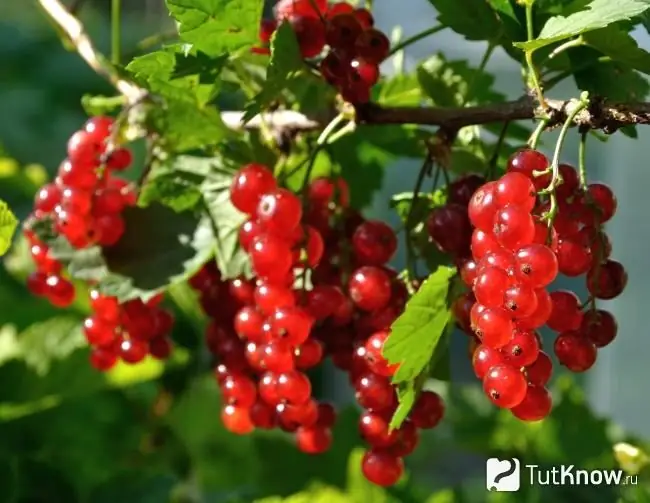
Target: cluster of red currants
[[356, 48], [515, 255], [85, 203], [267, 332]]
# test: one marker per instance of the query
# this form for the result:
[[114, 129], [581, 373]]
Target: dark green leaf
[[364, 155], [403, 202], [159, 247], [285, 64], [218, 26], [616, 82], [212, 177], [620, 46], [598, 14], [474, 19], [630, 131], [416, 333], [455, 83], [8, 224]]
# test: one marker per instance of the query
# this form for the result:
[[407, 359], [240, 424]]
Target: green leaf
[[159, 247], [189, 83], [218, 26], [417, 332], [101, 105], [616, 82], [48, 341], [400, 90], [474, 19], [598, 14], [8, 224], [454, 83], [406, 395], [285, 64], [211, 177], [620, 46]]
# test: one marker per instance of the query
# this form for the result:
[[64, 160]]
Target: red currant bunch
[[85, 203], [355, 48], [518, 248]]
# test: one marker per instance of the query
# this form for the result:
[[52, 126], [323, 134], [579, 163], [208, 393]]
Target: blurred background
[[65, 432]]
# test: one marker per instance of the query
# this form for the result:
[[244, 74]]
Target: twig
[[82, 43], [415, 38]]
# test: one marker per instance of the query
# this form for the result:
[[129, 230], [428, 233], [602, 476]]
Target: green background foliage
[[152, 433]]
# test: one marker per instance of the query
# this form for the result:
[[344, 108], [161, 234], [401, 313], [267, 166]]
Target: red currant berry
[[103, 359], [271, 296], [374, 243], [574, 257], [541, 313], [59, 291], [450, 229], [490, 286], [110, 229], [372, 45], [293, 387], [271, 256], [570, 182], [237, 420], [526, 162], [522, 350], [364, 16], [249, 185], [428, 410], [310, 33], [521, 300], [566, 313], [375, 392], [279, 211], [540, 371], [607, 280], [369, 288], [599, 326], [535, 406], [99, 332], [47, 198], [494, 327], [262, 415], [382, 468], [374, 429], [516, 189], [277, 356], [314, 439], [309, 354], [484, 358], [513, 227], [537, 264], [483, 243], [603, 200], [483, 207], [239, 390], [293, 324], [460, 191], [505, 386], [574, 351], [78, 176], [326, 192], [119, 159], [99, 126], [85, 149], [374, 357], [133, 351], [287, 8]]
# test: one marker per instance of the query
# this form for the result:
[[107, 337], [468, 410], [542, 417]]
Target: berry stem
[[556, 178], [534, 138], [116, 42], [329, 129], [492, 164], [415, 38], [582, 164], [532, 71], [408, 227], [576, 42]]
